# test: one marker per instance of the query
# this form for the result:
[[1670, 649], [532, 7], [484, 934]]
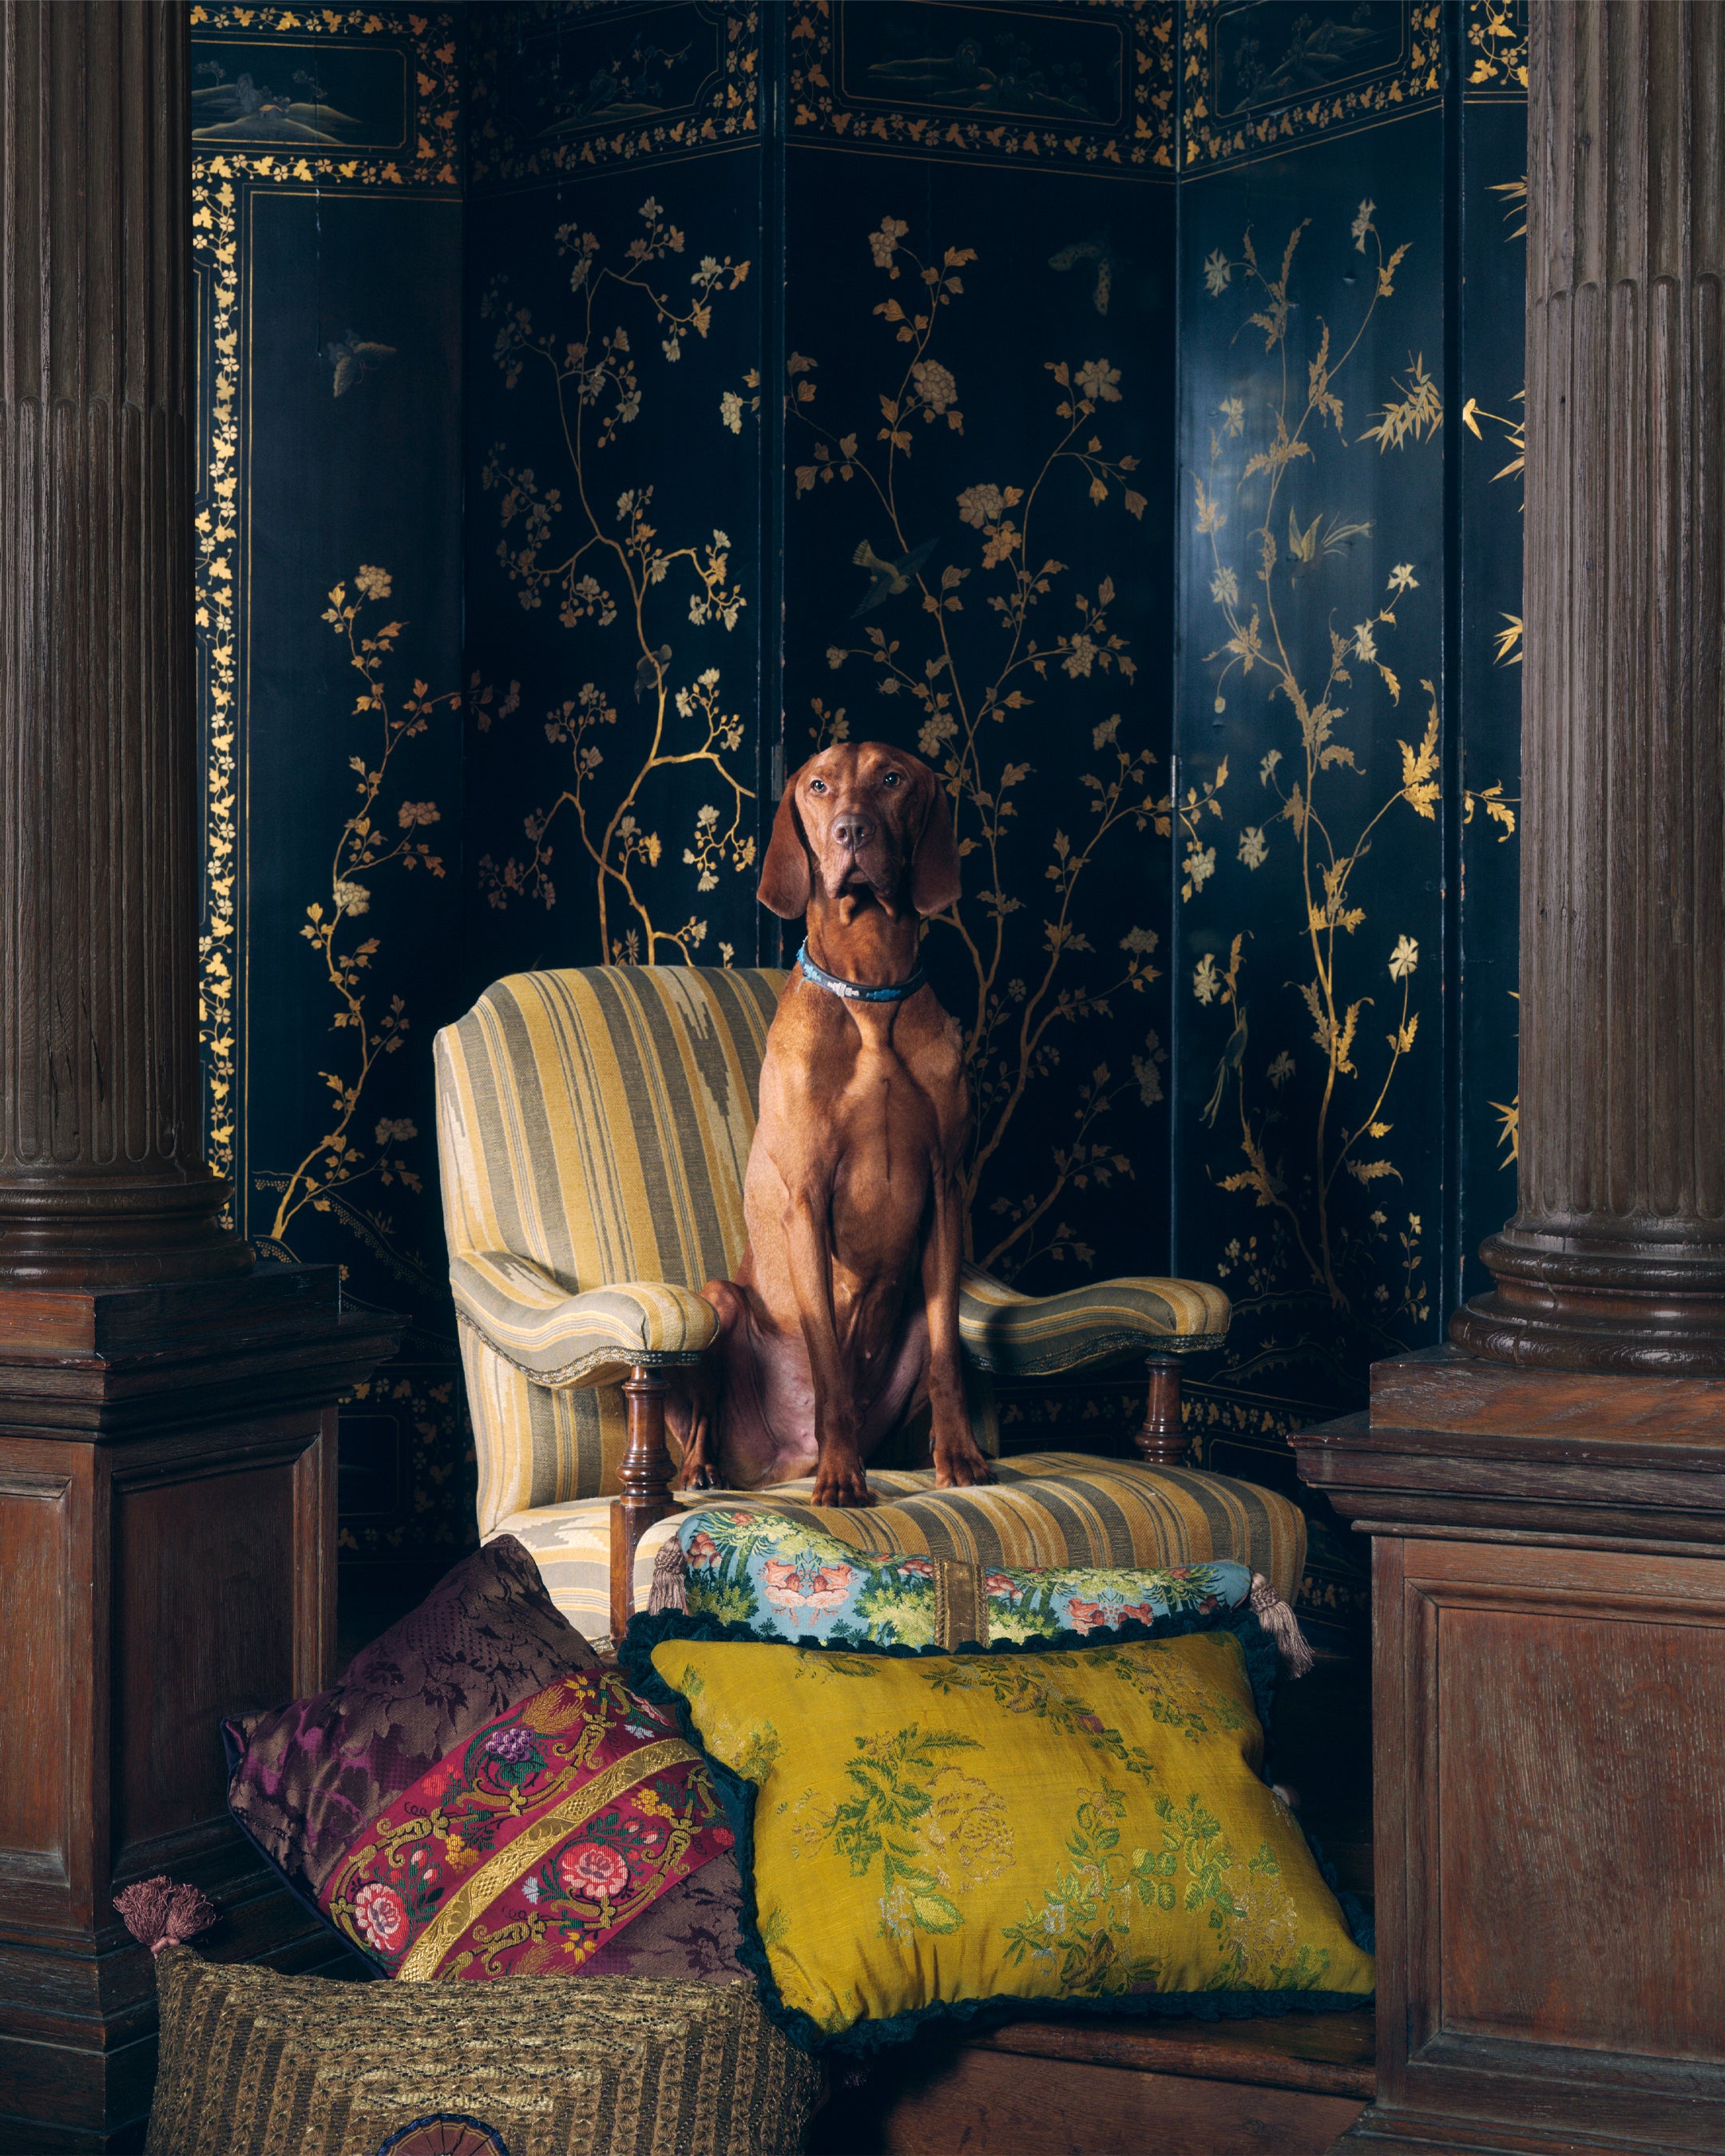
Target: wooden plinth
[[1281, 2086], [167, 1461], [1548, 1618]]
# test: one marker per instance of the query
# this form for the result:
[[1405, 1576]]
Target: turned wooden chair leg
[[646, 1478], [1162, 1441]]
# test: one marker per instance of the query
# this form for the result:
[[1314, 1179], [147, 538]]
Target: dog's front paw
[[696, 1475], [843, 1484], [963, 1468]]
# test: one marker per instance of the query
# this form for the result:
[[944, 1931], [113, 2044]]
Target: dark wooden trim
[[168, 1551], [646, 1478], [1161, 1438], [1285, 2085], [1323, 2054]]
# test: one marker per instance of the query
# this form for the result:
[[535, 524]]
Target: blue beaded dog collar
[[853, 991]]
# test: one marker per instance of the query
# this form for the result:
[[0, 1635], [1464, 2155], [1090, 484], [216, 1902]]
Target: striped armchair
[[593, 1127]]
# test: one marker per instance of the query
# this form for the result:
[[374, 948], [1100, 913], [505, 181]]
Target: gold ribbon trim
[[960, 1607], [498, 1873]]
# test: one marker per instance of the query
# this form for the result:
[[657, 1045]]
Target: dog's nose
[[852, 831]]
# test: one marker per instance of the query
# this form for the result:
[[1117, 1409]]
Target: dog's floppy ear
[[934, 866], [784, 873]]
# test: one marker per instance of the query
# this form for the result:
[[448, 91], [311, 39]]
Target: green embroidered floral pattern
[[1080, 1824], [932, 1830], [1174, 1695], [1023, 1688], [1253, 1916], [1086, 1913]]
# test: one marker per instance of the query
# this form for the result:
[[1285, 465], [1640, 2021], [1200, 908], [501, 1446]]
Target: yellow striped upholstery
[[1032, 1336], [1046, 1509], [593, 1128]]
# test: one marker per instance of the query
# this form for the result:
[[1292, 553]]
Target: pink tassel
[[164, 1913], [1282, 1625], [669, 1570]]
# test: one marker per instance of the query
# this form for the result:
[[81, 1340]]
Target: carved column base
[[1548, 1673], [90, 1230], [1627, 1309], [167, 1527]]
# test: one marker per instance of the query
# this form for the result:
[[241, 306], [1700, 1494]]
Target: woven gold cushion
[[1044, 1509], [253, 2064]]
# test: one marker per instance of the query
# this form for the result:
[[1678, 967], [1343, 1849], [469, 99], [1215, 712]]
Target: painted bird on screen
[[353, 358], [1225, 1069], [887, 579]]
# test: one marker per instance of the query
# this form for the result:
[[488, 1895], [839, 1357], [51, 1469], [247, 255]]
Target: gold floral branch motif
[[1016, 1005], [215, 251], [1500, 50], [1509, 1117], [1499, 806], [614, 564], [370, 842], [1328, 858], [1507, 639]]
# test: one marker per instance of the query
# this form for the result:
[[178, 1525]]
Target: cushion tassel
[[1282, 1625], [164, 1913], [670, 1569]]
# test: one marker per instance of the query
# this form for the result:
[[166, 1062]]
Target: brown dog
[[844, 1315]]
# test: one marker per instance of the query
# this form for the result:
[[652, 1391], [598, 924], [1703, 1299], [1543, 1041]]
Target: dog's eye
[[817, 786], [891, 779]]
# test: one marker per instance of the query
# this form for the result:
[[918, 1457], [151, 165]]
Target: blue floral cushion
[[786, 1580]]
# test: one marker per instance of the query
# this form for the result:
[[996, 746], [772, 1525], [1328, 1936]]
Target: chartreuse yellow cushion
[[1087, 1826]]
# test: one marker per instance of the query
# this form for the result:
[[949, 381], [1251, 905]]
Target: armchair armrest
[[593, 1338], [1024, 1336]]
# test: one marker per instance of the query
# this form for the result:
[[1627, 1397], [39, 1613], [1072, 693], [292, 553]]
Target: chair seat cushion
[[1030, 1336], [1044, 1509]]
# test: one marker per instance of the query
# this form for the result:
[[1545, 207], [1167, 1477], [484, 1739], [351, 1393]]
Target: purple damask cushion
[[308, 1776], [693, 1931]]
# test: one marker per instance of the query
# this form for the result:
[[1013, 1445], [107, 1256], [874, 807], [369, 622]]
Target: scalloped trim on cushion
[[1122, 1745]]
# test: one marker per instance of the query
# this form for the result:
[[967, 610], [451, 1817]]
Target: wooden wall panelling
[[1281, 2087], [1547, 1507], [1041, 2107], [1550, 1853], [168, 1536], [1548, 1669]]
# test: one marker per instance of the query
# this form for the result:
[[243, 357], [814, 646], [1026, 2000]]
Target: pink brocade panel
[[531, 1844]]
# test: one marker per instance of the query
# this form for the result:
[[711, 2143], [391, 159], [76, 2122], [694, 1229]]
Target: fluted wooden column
[[1615, 1257], [167, 1410], [1546, 1496], [101, 1179]]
